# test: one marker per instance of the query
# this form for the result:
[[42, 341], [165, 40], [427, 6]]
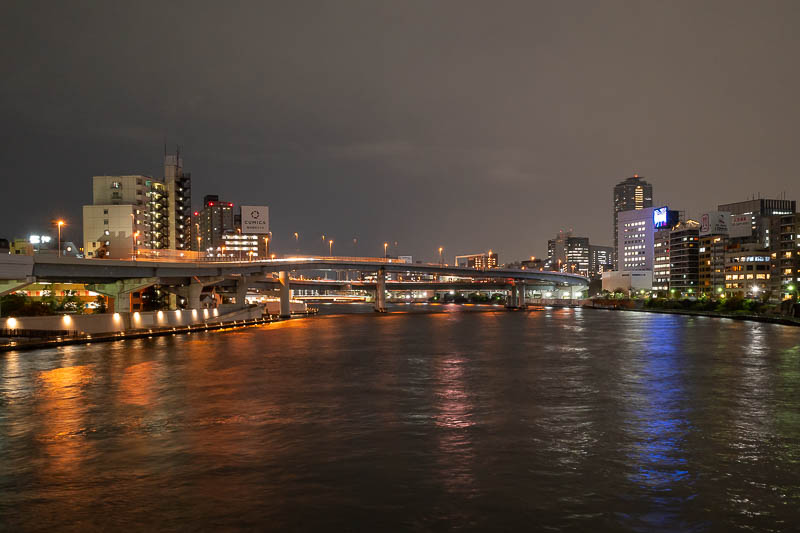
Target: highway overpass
[[118, 278]]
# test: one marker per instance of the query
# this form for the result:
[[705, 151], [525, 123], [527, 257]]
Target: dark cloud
[[465, 124]]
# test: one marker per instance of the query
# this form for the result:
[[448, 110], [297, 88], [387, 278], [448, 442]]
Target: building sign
[[741, 226], [255, 219], [714, 223]]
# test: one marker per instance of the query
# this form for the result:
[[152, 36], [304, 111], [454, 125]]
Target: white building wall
[[636, 231]]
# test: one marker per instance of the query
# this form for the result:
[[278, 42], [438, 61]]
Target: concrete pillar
[[575, 291], [511, 300], [241, 292], [521, 295], [285, 294], [380, 291], [193, 294]]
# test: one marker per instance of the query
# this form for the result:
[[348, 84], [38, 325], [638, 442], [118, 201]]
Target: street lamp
[[266, 244], [59, 223], [385, 247], [135, 237], [330, 245], [441, 257]]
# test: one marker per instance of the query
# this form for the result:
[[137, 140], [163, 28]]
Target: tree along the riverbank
[[20, 305]]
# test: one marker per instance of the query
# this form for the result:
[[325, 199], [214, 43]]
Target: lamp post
[[59, 223], [266, 245], [135, 237], [441, 257], [330, 245], [385, 247]]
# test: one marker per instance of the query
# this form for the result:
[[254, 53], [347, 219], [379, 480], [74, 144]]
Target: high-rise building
[[568, 253], [631, 194], [179, 193], [684, 250], [759, 211], [213, 221]]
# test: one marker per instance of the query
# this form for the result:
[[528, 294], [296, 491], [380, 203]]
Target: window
[[116, 185], [105, 211]]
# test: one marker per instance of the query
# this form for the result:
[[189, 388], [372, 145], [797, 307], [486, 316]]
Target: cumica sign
[[255, 219]]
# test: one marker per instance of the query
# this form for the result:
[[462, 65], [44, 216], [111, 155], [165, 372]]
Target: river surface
[[584, 420]]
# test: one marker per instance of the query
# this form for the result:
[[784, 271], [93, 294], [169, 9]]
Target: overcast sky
[[470, 125]]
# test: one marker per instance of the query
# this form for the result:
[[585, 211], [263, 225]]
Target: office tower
[[636, 234], [568, 253], [631, 194], [758, 211]]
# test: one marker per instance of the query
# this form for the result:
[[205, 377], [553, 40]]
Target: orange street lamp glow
[[59, 223], [385, 246]]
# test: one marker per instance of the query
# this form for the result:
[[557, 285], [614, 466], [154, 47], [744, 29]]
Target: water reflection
[[61, 419], [658, 423], [558, 419]]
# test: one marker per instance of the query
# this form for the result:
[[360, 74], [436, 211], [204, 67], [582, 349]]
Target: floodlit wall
[[114, 322]]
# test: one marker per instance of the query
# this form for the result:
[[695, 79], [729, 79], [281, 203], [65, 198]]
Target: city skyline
[[313, 127]]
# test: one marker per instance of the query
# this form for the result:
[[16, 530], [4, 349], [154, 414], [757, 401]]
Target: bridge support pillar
[[193, 290], [285, 294], [121, 291], [511, 300], [575, 291], [521, 303], [380, 291], [241, 292]]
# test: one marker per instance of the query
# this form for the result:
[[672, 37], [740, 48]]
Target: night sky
[[471, 125]]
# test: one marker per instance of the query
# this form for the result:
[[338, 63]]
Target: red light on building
[[230, 204], [210, 203], [196, 213]]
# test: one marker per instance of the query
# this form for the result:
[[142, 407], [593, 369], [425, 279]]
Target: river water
[[585, 420]]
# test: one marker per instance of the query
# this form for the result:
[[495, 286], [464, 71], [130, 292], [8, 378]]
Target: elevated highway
[[118, 278]]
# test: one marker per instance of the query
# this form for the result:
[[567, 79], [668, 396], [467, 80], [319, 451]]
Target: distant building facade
[[482, 260], [213, 221]]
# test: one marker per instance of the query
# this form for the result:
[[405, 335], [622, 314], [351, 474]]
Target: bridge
[[187, 278]]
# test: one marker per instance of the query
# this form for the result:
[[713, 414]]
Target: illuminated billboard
[[660, 217], [663, 217]]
